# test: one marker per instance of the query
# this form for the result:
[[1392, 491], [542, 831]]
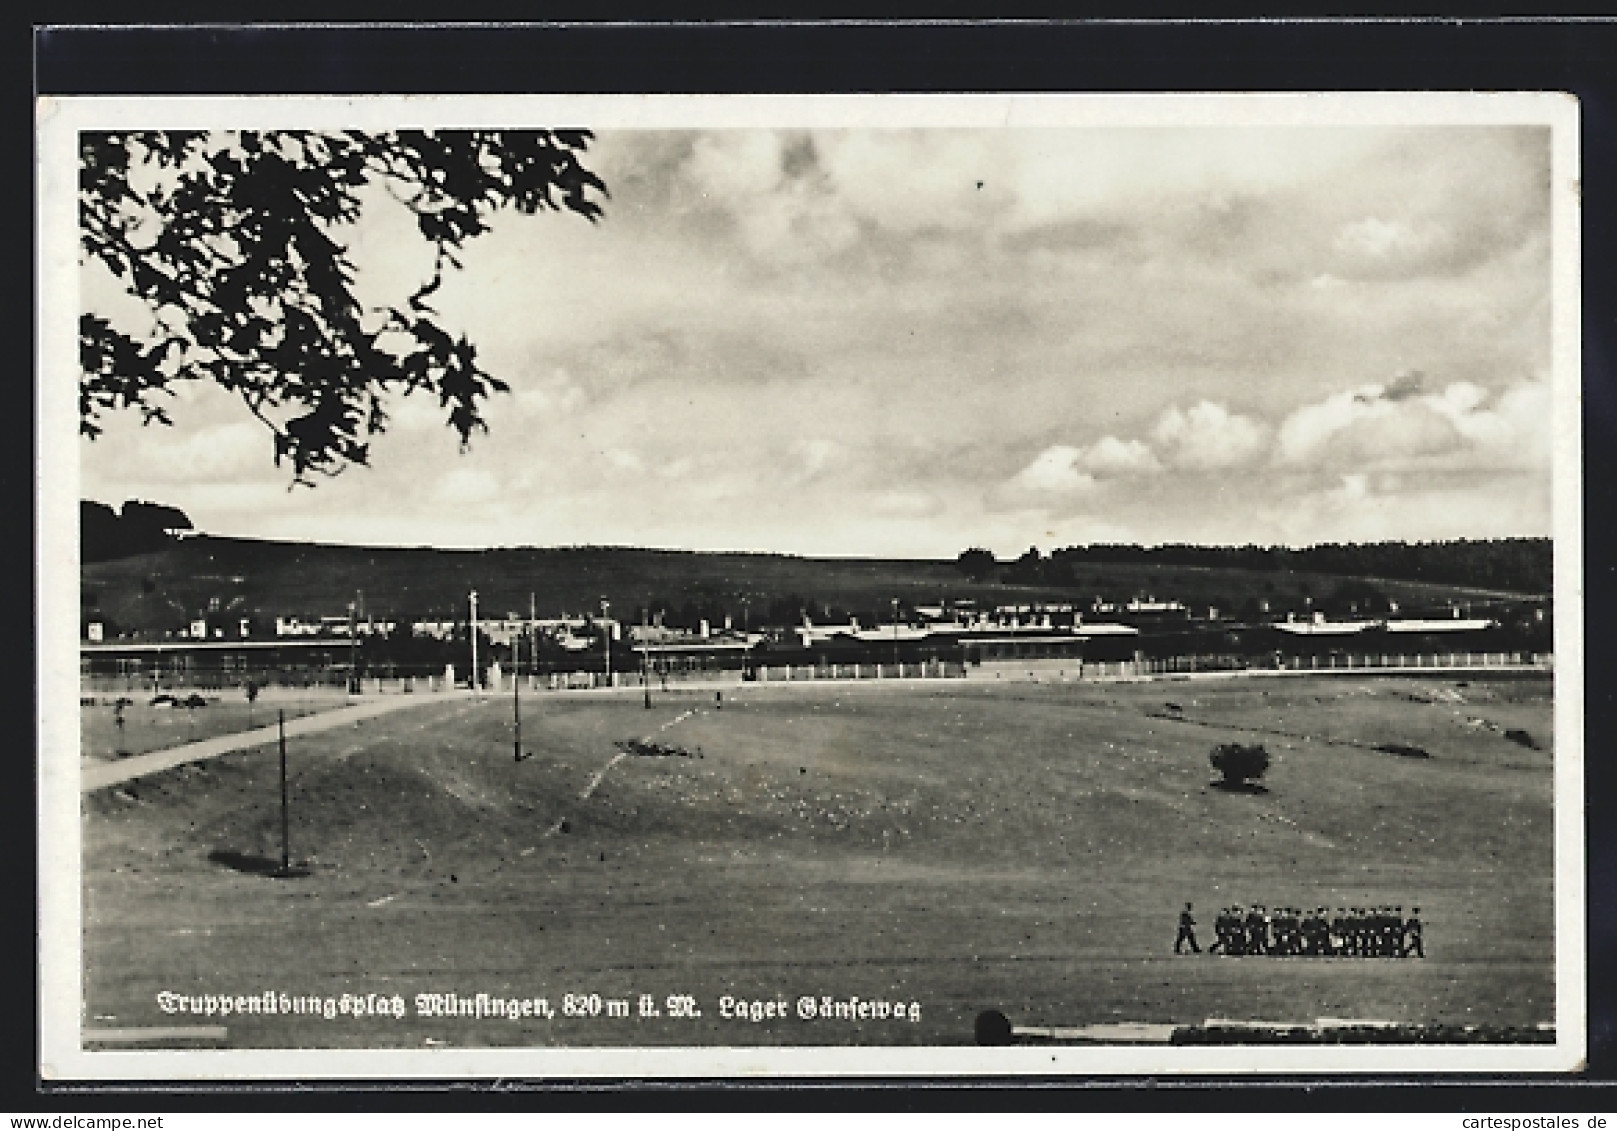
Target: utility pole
[[286, 831], [895, 637], [474, 640], [606, 632], [645, 650], [516, 698], [516, 678], [353, 647]]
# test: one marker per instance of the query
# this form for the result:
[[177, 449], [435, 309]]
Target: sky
[[901, 343]]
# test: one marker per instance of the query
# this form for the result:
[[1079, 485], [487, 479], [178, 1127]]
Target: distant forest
[[1519, 565], [1523, 565], [105, 534]]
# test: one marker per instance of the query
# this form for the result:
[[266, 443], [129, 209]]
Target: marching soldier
[[1316, 935], [1257, 931], [1412, 941], [1237, 943], [1285, 942], [1187, 932]]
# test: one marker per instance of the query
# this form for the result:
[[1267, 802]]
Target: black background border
[[711, 56]]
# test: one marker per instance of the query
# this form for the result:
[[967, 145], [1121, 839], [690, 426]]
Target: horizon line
[[620, 546]]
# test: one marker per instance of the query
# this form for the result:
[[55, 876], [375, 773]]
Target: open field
[[1023, 848], [147, 727]]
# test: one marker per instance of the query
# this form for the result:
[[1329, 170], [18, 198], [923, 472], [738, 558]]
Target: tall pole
[[286, 832], [516, 697], [474, 641], [645, 650], [353, 647], [895, 634], [606, 632]]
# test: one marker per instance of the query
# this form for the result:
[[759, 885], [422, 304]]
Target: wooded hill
[[161, 590]]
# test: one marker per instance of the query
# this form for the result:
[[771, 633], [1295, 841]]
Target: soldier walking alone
[[1412, 942], [1187, 932]]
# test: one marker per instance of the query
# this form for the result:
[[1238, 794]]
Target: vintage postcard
[[635, 587]]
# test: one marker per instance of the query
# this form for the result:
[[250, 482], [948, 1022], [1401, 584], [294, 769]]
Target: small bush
[[1239, 764], [1521, 738]]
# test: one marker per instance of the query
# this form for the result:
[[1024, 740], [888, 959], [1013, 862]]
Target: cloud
[[1064, 470], [912, 180], [1374, 239], [734, 164], [418, 413], [624, 460], [234, 452], [556, 395], [1394, 426], [1360, 506], [678, 468], [1457, 199], [465, 486], [906, 504], [1405, 385], [1360, 424], [1515, 431], [814, 457], [770, 185], [1207, 436], [1055, 471], [1111, 456]]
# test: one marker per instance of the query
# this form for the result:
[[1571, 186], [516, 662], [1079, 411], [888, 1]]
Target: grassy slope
[[966, 847], [148, 727], [152, 591]]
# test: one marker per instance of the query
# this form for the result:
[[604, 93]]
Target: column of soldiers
[[1357, 932]]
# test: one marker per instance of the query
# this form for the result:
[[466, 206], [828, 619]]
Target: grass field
[[148, 727], [1022, 848]]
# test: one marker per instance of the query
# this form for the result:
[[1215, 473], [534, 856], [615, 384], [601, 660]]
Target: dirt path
[[99, 775]]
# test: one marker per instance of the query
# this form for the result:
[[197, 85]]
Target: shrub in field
[[1239, 766]]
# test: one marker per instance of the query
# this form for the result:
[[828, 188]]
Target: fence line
[[316, 683], [1382, 662]]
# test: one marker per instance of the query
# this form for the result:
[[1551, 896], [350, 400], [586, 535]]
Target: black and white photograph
[[634, 586]]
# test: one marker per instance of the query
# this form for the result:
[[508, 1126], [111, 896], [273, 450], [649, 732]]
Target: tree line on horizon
[[138, 528], [1515, 564]]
